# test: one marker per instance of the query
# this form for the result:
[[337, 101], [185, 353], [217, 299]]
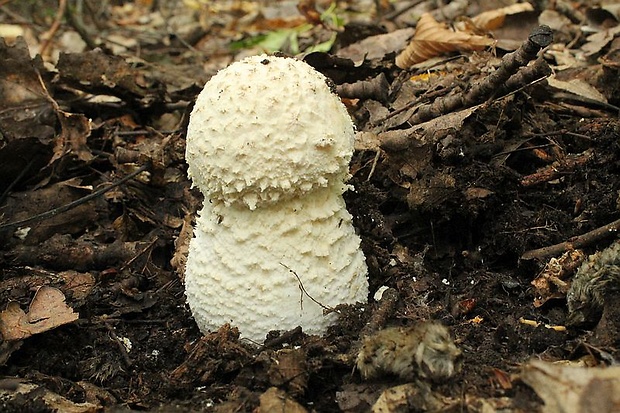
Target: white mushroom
[[269, 146]]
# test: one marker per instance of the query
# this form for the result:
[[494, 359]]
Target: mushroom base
[[274, 268]]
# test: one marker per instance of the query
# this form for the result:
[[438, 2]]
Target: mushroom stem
[[281, 255]]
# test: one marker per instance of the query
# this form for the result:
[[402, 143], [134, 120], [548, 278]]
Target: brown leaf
[[75, 130], [552, 281], [49, 400], [416, 396], [99, 73], [494, 19], [26, 121], [181, 244], [276, 400], [577, 87], [376, 47], [433, 39], [574, 389], [289, 370], [598, 41], [48, 310]]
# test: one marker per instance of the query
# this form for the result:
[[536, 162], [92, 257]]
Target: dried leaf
[[367, 141], [80, 284], [276, 400], [477, 193], [27, 129], [494, 19], [75, 130], [577, 87], [598, 41], [433, 39], [574, 389], [53, 401], [48, 310], [552, 281], [181, 244], [416, 396], [376, 47], [289, 370], [355, 398]]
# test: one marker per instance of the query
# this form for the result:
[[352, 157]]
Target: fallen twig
[[62, 7], [76, 22], [575, 242], [539, 38], [529, 74], [376, 88], [382, 313], [557, 169], [119, 343], [53, 212], [384, 310]]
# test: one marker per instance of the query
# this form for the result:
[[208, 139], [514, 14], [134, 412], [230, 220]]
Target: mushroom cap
[[267, 128]]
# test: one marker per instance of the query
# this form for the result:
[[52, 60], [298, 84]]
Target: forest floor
[[485, 172]]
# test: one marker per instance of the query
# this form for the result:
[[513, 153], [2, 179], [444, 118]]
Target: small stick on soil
[[62, 6], [119, 344], [285, 337], [385, 310], [578, 241], [396, 13], [78, 25], [538, 70], [53, 212], [23, 172], [557, 169], [376, 88], [382, 313], [149, 247], [540, 37]]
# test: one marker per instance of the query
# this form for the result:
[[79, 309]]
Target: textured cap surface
[[267, 128]]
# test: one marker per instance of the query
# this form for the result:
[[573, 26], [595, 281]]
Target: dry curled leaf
[[290, 371], [552, 281], [574, 389], [577, 87], [494, 19], [415, 396], [47, 311], [276, 400], [433, 39]]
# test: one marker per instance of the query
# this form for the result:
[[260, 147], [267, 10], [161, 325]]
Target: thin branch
[[23, 172], [62, 7], [303, 290], [558, 169], [540, 37], [77, 23], [56, 211], [575, 242]]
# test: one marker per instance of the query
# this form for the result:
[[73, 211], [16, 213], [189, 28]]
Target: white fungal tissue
[[269, 145]]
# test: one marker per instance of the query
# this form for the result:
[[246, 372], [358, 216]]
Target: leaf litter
[[477, 175]]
